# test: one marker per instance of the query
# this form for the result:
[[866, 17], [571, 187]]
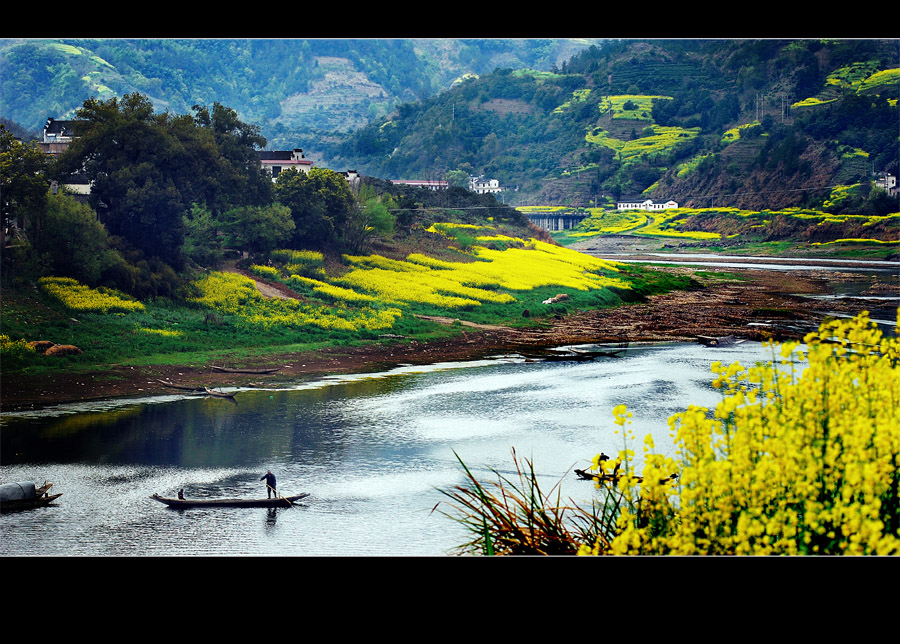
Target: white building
[[649, 204], [275, 161], [482, 185], [887, 182]]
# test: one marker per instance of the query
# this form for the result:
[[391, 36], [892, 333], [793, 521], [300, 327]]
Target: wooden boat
[[252, 371], [580, 354], [723, 341], [218, 394], [181, 387], [615, 476], [277, 502], [26, 496]]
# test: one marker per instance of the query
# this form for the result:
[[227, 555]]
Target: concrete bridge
[[555, 221]]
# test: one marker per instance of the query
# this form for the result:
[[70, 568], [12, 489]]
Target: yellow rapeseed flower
[[799, 457]]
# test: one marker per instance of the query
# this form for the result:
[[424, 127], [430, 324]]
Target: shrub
[[14, 353]]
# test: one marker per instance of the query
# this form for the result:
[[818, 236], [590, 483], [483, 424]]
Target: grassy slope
[[212, 331]]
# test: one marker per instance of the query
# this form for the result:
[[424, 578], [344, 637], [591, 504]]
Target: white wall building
[[275, 161], [648, 204], [482, 185], [887, 182]]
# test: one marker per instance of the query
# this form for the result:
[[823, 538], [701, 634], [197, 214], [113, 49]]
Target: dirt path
[[269, 289]]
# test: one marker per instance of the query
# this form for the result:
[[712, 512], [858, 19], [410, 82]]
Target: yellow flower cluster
[[858, 240], [266, 272], [422, 279], [10, 347], [167, 333], [662, 225], [330, 290], [289, 256], [237, 295], [79, 297], [798, 458]]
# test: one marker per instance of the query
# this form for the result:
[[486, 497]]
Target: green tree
[[238, 178], [202, 242], [23, 185], [457, 178], [338, 200], [75, 241], [321, 205], [141, 172], [147, 169], [371, 217], [258, 230], [312, 229]]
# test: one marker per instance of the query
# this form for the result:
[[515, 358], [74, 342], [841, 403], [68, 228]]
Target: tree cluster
[[168, 192]]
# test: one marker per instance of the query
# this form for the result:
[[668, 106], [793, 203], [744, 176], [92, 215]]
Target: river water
[[372, 450]]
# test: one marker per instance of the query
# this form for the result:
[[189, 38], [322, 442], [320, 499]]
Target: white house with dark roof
[[273, 162], [887, 182], [483, 186], [647, 204]]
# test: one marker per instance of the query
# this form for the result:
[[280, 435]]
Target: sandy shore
[[766, 304]]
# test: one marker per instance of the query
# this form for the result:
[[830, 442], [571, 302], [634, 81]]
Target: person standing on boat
[[270, 483]]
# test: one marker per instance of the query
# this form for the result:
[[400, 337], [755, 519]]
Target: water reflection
[[373, 450]]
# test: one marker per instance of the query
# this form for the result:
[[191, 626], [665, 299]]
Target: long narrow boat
[[719, 341], [172, 385], [278, 502], [251, 371], [218, 394]]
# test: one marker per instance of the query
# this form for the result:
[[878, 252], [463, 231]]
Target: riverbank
[[756, 305]]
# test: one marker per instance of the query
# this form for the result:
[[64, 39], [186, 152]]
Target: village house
[[55, 140], [482, 185], [353, 178], [273, 162], [648, 204], [56, 136], [887, 182]]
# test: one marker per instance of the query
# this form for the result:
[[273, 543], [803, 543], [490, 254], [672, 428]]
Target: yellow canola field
[[234, 294], [79, 297], [426, 280]]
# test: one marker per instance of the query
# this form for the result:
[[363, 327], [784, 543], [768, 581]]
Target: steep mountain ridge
[[300, 92], [744, 121]]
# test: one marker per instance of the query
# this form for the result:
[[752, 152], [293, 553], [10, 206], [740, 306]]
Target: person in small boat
[[270, 483], [181, 494]]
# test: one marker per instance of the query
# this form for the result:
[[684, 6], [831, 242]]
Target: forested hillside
[[750, 124], [300, 92]]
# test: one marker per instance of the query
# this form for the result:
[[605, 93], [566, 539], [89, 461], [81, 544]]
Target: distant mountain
[[302, 93], [748, 123]]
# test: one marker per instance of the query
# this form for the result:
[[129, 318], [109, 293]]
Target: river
[[372, 450]]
